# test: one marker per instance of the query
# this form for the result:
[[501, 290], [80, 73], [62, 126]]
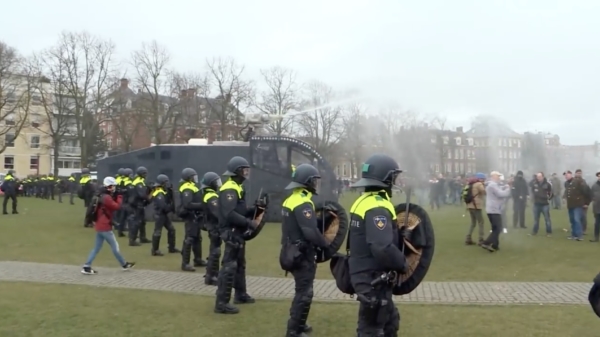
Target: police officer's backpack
[[80, 191]]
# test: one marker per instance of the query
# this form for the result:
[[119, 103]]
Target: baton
[[408, 194]]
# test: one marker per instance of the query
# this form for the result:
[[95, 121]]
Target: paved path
[[493, 293]]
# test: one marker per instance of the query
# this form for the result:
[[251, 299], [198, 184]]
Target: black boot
[[171, 242], [186, 252], [197, 249], [155, 251], [143, 238], [226, 308]]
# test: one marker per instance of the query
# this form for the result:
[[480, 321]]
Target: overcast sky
[[536, 63]]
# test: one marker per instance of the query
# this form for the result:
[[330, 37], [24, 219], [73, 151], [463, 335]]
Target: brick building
[[497, 147], [138, 119], [454, 152]]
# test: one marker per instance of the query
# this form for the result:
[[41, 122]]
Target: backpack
[[91, 212], [467, 193]]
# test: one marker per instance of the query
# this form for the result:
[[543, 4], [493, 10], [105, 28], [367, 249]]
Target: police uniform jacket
[[232, 207], [374, 235], [190, 199], [85, 185], [162, 206], [210, 199], [139, 194], [9, 185], [299, 220]]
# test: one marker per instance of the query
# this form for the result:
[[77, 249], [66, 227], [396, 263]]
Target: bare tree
[[231, 89], [279, 97], [439, 126], [16, 97], [58, 121], [355, 142], [322, 123], [84, 68], [157, 101], [193, 120]]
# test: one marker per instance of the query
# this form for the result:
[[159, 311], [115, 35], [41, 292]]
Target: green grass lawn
[[43, 310], [47, 231]]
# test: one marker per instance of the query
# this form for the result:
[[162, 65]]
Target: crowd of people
[[492, 194]]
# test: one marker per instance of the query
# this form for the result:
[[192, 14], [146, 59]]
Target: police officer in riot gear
[[211, 182], [375, 258], [9, 187], [125, 188], [85, 190], [138, 200], [118, 188], [233, 223], [191, 206], [301, 234], [162, 197], [50, 191], [72, 188]]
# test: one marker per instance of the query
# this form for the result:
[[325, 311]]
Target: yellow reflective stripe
[[370, 200], [157, 192], [232, 185], [209, 194], [188, 185], [299, 196]]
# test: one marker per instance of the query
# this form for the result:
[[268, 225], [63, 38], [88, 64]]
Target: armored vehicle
[[272, 160]]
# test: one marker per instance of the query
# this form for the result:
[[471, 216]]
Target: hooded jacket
[[520, 188]]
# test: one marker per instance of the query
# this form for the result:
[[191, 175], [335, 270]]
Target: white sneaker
[[128, 265], [88, 271]]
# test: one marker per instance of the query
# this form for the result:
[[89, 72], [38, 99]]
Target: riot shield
[[418, 242], [334, 225]]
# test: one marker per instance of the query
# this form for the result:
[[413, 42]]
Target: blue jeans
[[575, 220], [556, 201], [537, 211], [112, 242]]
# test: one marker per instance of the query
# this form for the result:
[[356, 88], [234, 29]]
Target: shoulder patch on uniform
[[229, 196], [214, 202], [380, 221], [307, 212]]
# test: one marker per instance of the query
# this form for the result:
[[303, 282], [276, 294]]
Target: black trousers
[[519, 206], [214, 253], [137, 223], [13, 197], [304, 277], [494, 238], [233, 271], [380, 317], [162, 221], [192, 242]]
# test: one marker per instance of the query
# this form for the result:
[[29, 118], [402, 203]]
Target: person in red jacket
[[107, 205]]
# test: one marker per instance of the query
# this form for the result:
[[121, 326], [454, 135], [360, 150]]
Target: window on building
[[34, 141], [9, 140], [518, 143], [456, 155], [437, 168], [119, 141], [449, 154], [458, 141], [109, 127], [345, 170], [36, 100], [9, 162], [231, 135], [470, 141], [69, 164], [218, 136], [109, 143], [445, 140], [9, 119], [34, 162], [448, 167]]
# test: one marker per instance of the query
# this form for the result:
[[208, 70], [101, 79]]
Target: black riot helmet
[[141, 171], [189, 174], [236, 166], [11, 172], [305, 176], [162, 180], [121, 172], [379, 170], [211, 180], [128, 172], [85, 170]]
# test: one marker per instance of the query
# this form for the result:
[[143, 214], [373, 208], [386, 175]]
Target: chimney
[[183, 93], [459, 129], [228, 97], [191, 92], [124, 83]]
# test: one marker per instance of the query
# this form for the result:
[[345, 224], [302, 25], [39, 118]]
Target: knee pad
[[230, 267], [189, 240], [307, 295], [216, 252], [156, 233]]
